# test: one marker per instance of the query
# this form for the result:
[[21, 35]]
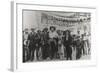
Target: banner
[[65, 21]]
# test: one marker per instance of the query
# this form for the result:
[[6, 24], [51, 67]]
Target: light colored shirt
[[25, 38], [53, 34]]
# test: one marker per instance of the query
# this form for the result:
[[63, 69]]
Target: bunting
[[68, 21]]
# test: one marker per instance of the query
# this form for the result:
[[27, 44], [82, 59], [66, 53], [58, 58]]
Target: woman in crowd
[[45, 44], [60, 44], [67, 44], [86, 44], [38, 43]]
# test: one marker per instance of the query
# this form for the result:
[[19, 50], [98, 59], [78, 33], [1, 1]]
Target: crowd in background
[[53, 44]]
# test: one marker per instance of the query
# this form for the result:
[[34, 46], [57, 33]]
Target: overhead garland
[[54, 19]]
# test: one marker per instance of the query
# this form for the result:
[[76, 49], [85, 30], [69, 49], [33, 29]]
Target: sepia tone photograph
[[55, 36]]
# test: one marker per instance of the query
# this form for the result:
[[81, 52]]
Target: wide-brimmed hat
[[52, 27], [45, 29], [32, 29]]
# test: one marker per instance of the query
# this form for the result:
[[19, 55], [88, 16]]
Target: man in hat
[[32, 46], [38, 44]]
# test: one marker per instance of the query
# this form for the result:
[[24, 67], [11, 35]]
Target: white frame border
[[14, 60]]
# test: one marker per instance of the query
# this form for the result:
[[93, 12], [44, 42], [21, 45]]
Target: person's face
[[82, 36], [78, 32], [67, 33], [33, 32], [39, 32], [60, 32], [52, 29], [26, 32]]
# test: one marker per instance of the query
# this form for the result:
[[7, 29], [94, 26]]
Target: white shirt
[[25, 38], [53, 34]]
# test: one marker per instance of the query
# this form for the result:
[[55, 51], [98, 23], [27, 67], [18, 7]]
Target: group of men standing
[[52, 44]]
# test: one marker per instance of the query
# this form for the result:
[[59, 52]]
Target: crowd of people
[[53, 44]]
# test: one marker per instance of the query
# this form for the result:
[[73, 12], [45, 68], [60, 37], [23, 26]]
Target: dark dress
[[68, 49], [45, 45]]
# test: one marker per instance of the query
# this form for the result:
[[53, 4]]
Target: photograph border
[[14, 51]]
